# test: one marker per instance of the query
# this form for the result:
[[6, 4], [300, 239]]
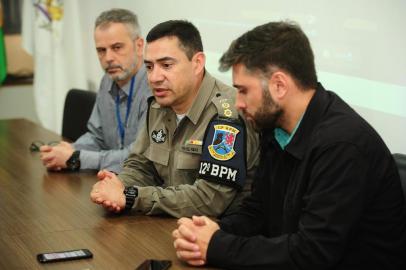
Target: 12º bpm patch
[[223, 153], [215, 170]]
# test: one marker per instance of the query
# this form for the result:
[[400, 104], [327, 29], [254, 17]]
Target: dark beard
[[268, 115]]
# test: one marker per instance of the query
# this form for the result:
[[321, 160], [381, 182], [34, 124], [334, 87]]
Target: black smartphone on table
[[154, 265], [67, 255]]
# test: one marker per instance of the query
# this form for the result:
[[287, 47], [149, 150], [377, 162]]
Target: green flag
[[3, 60]]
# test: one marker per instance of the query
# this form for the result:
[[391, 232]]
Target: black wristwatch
[[73, 163], [131, 193]]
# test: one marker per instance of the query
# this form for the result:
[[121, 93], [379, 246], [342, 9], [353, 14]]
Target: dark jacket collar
[[311, 118]]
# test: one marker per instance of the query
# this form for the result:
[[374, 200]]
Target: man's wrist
[[212, 250], [73, 163], [131, 193]]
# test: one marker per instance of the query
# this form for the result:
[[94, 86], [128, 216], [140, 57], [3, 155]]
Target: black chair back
[[400, 160], [76, 113]]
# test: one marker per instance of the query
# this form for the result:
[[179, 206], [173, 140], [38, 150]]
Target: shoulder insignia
[[225, 107], [222, 146], [223, 153]]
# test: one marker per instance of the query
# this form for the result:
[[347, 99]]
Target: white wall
[[17, 102], [359, 45]]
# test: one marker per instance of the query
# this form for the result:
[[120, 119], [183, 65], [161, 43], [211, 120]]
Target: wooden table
[[43, 211]]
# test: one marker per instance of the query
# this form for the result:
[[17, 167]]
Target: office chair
[[400, 160], [76, 113]]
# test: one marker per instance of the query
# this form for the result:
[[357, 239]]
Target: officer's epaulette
[[225, 107]]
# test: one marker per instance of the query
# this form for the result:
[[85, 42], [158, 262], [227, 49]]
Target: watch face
[[131, 192], [73, 163]]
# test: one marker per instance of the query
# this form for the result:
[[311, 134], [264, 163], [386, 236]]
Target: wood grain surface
[[43, 211]]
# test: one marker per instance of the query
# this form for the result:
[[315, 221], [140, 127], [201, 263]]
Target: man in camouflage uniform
[[195, 155]]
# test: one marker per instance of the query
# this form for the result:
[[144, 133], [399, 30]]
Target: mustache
[[111, 66]]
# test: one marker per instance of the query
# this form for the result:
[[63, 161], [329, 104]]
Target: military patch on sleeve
[[223, 153]]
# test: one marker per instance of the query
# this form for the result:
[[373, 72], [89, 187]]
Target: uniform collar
[[202, 98], [311, 118]]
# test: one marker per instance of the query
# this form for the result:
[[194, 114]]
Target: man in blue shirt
[[121, 102]]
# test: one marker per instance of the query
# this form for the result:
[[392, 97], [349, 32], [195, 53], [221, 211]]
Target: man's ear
[[198, 62], [279, 83], [139, 45]]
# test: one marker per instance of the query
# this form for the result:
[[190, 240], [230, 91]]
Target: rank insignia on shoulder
[[228, 112], [225, 108], [222, 146], [158, 136], [223, 153]]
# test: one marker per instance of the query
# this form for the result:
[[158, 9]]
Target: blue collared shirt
[[100, 146], [282, 137]]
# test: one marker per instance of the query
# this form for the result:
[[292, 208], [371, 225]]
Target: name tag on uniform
[[192, 146]]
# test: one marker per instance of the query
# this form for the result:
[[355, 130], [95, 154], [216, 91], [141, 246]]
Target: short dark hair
[[280, 45], [118, 15], [187, 34]]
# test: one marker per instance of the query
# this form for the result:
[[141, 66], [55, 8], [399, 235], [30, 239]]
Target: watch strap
[[131, 193], [73, 163]]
